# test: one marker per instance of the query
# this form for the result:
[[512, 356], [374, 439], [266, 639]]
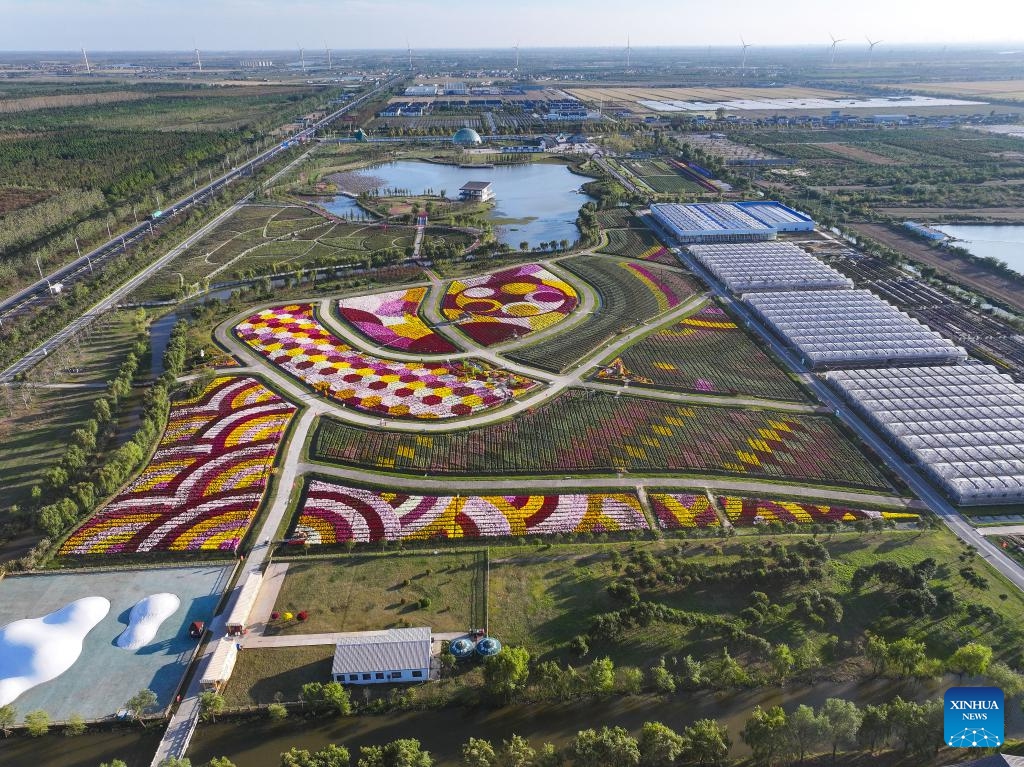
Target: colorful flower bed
[[677, 511], [334, 513], [637, 243], [708, 353], [204, 483], [584, 431], [747, 512], [392, 320], [630, 293], [508, 304], [292, 338]]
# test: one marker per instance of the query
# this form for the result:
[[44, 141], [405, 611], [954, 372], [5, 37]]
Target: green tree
[[406, 752], [8, 716], [220, 761], [806, 730], [507, 672], [601, 676], [327, 697], [782, 661], [140, 702], [477, 752], [875, 727], [707, 744], [905, 655], [276, 712], [516, 752], [211, 704], [115, 763], [662, 679], [631, 680], [37, 723], [660, 746], [75, 725], [607, 747], [972, 659], [841, 720], [765, 732], [176, 761]]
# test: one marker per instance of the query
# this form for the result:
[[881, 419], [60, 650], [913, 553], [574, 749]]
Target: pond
[[1002, 241], [533, 202]]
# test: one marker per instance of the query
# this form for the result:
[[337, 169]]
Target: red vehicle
[[196, 629]]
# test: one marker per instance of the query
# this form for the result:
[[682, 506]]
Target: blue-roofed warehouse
[[730, 221]]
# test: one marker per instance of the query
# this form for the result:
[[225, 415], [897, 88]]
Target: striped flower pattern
[[747, 512], [392, 320], [335, 513], [292, 338], [204, 483], [677, 511]]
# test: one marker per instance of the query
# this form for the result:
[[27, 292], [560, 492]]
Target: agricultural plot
[[271, 239], [708, 353], [637, 243], [629, 293], [392, 320], [509, 304], [748, 512], [662, 178], [589, 432], [618, 218], [336, 513], [293, 339], [683, 511], [204, 483]]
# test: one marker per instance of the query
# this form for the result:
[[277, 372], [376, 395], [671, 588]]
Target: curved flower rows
[[392, 320], [334, 513], [204, 483], [293, 339], [676, 511], [508, 304], [747, 512]]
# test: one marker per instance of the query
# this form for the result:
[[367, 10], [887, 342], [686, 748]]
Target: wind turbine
[[85, 58], [199, 61], [629, 52], [835, 44], [516, 48], [871, 49], [302, 59], [408, 48], [329, 63], [745, 45]]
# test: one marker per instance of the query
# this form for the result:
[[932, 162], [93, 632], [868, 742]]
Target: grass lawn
[[541, 598], [95, 357], [260, 674], [367, 592]]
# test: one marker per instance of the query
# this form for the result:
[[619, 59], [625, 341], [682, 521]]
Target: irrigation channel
[[260, 743]]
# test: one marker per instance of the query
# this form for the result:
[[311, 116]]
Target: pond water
[[1002, 241], [534, 202]]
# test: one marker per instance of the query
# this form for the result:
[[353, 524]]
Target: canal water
[[1002, 241], [534, 202]]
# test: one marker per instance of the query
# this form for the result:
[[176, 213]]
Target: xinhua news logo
[[973, 717]]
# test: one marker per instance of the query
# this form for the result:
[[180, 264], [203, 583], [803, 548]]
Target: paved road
[[1002, 530], [83, 266], [33, 357], [924, 490]]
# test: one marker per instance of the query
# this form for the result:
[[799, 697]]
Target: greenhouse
[[850, 328], [763, 266], [963, 425]]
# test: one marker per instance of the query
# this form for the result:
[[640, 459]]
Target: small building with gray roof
[[383, 657]]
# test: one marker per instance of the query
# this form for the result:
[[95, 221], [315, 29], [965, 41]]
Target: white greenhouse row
[[843, 328], [963, 425], [762, 266]]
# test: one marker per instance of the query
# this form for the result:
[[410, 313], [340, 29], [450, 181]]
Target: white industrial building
[[729, 221], [383, 657], [763, 266], [850, 328], [963, 425]]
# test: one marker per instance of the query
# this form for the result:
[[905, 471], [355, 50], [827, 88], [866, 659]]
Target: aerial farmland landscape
[[543, 387]]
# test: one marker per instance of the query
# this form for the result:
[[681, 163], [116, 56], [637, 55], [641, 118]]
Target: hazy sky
[[268, 24]]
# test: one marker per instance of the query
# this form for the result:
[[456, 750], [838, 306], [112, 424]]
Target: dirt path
[[950, 264]]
